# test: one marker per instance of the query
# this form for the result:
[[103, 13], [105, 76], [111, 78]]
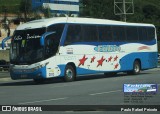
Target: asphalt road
[[87, 90]]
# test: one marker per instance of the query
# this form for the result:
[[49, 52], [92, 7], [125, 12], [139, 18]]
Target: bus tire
[[70, 74], [136, 68]]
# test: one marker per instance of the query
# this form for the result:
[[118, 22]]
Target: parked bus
[[71, 47]]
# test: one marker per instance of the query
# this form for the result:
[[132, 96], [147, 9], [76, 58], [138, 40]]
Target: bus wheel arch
[[136, 67], [70, 72]]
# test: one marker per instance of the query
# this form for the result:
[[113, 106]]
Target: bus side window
[[51, 45], [132, 34], [58, 29], [74, 34], [105, 33], [119, 33], [90, 33], [151, 33], [142, 31]]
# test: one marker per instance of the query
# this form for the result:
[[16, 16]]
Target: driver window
[[51, 45]]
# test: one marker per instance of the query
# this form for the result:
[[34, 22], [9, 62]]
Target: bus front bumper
[[28, 73]]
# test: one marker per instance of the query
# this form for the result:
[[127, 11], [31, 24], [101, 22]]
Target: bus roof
[[46, 22]]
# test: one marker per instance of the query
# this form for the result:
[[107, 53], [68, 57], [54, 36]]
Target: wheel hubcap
[[136, 68], [69, 73]]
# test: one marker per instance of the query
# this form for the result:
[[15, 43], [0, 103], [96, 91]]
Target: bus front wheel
[[70, 74], [136, 68]]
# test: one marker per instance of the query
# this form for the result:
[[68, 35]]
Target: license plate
[[23, 76]]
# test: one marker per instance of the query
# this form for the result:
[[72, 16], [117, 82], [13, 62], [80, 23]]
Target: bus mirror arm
[[42, 39], [4, 40]]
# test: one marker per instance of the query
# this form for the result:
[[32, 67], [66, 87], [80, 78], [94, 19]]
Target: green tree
[[46, 12], [98, 9], [26, 8]]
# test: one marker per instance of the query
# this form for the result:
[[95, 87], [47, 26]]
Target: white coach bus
[[71, 47]]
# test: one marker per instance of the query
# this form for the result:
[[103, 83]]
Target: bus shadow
[[92, 77], [31, 82], [58, 80], [19, 83]]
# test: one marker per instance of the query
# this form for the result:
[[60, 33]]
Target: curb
[[4, 74], [5, 79]]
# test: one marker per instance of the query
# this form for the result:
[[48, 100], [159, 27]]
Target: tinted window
[[105, 33], [74, 34], [142, 33], [58, 29], [89, 33], [26, 46], [151, 33], [119, 33], [51, 45], [132, 33]]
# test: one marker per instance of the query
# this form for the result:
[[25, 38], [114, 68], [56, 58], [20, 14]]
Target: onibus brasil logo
[[140, 88]]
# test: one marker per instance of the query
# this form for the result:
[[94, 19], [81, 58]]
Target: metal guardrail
[[4, 67]]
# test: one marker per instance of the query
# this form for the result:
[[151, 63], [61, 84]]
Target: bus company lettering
[[18, 37], [33, 36], [28, 37], [107, 48]]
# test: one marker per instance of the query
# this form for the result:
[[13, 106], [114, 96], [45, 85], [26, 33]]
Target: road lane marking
[[32, 102], [105, 92]]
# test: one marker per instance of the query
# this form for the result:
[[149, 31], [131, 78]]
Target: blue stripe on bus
[[148, 60], [153, 42]]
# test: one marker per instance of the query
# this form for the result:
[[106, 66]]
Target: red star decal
[[82, 61], [92, 59], [115, 59], [100, 62], [109, 59], [116, 66]]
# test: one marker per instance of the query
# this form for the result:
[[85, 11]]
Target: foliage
[[26, 8], [46, 12], [12, 6]]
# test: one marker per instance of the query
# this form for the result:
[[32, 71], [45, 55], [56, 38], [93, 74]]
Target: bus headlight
[[40, 66]]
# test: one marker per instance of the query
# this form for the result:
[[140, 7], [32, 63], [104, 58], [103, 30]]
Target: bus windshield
[[25, 47]]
